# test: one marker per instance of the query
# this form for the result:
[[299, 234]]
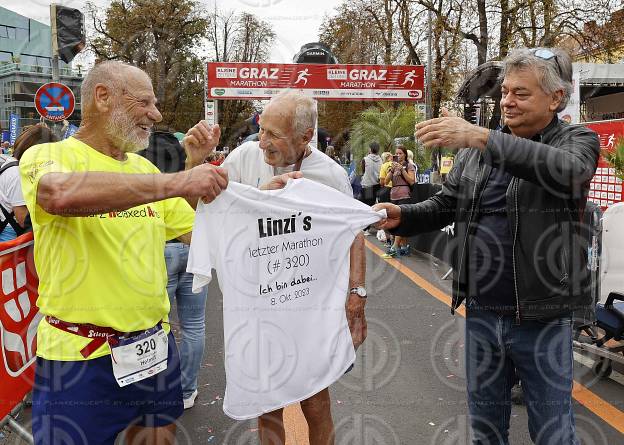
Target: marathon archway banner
[[606, 188], [19, 317], [321, 81]]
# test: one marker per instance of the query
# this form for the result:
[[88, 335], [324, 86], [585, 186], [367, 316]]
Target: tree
[[366, 32], [383, 125], [164, 37], [237, 38], [159, 36]]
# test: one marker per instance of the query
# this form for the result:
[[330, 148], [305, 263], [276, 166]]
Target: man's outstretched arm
[[88, 193]]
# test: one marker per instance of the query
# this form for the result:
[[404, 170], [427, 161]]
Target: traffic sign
[[54, 101]]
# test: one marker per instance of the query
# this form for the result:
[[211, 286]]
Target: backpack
[[9, 217]]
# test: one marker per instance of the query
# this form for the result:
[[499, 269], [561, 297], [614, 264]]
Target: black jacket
[[545, 203], [165, 152]]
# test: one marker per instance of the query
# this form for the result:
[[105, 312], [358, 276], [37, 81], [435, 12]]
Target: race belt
[[99, 335]]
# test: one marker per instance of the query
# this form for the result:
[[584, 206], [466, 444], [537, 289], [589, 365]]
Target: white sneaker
[[366, 232], [190, 401]]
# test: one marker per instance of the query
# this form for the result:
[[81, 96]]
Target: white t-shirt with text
[[282, 260]]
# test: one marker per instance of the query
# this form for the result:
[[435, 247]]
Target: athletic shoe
[[366, 233], [391, 253], [404, 251], [189, 402]]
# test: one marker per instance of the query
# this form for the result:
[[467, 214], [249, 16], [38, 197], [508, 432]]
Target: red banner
[[605, 187], [323, 82], [19, 317]]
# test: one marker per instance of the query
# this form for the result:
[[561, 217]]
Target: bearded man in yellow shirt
[[101, 215]]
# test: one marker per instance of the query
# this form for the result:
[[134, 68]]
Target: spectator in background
[[371, 164], [383, 195], [14, 217], [5, 147], [384, 192], [410, 159], [166, 152], [331, 152], [215, 158], [402, 173]]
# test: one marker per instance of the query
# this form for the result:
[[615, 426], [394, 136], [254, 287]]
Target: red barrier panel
[[605, 187], [19, 317]]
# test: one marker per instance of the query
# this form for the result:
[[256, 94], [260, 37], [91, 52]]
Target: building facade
[[25, 65]]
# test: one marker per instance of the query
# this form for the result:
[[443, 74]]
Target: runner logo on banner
[[55, 101], [606, 188], [320, 81]]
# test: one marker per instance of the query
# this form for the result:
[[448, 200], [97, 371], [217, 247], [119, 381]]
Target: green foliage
[[160, 37], [616, 158], [383, 124], [165, 38]]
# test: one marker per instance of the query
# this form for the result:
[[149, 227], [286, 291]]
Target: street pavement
[[407, 386]]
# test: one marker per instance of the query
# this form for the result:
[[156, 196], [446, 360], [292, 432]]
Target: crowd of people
[[496, 194]]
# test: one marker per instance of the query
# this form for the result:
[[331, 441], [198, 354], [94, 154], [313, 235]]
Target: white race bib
[[139, 357]]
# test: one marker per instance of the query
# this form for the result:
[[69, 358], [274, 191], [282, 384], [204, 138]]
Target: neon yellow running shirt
[[106, 269]]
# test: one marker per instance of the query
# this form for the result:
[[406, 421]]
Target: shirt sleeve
[[359, 216], [342, 182], [201, 256], [179, 217], [12, 188], [36, 162], [233, 165]]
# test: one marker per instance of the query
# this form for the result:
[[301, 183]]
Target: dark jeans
[[191, 314], [369, 194], [540, 354], [383, 195]]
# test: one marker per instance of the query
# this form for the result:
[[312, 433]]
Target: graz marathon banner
[[323, 82]]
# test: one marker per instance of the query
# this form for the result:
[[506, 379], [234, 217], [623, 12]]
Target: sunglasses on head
[[546, 54]]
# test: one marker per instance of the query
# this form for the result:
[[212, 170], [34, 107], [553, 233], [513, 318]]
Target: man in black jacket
[[517, 198]]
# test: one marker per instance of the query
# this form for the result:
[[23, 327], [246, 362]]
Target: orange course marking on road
[[600, 407], [420, 281], [295, 426]]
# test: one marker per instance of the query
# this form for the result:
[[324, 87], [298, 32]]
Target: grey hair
[[554, 74], [109, 73], [305, 109]]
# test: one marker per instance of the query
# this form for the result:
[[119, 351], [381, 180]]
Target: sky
[[293, 24]]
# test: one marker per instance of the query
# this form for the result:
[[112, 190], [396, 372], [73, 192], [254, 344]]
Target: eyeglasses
[[546, 54]]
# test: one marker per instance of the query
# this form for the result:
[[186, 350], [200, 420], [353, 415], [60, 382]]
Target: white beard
[[122, 131]]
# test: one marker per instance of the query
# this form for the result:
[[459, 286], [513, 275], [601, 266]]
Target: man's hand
[[200, 141], [279, 181], [451, 132], [204, 181], [393, 213], [356, 319]]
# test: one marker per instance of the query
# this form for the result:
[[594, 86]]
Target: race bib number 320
[[139, 357]]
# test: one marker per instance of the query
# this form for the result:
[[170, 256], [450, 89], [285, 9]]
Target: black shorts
[[82, 402]]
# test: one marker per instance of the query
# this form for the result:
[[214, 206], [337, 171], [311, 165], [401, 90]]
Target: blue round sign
[[54, 101]]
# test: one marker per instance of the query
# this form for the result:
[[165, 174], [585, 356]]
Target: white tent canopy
[[601, 74]]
